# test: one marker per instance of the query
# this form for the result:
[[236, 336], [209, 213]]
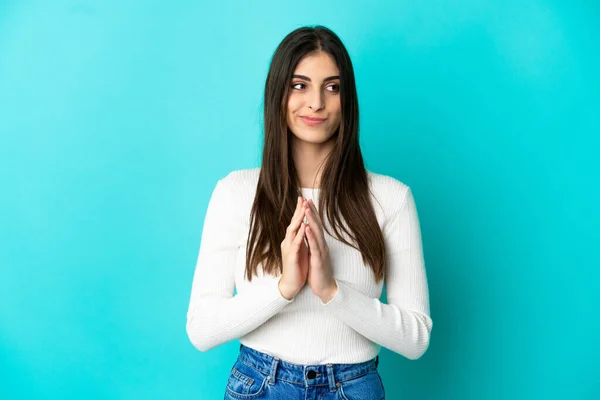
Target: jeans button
[[311, 374]]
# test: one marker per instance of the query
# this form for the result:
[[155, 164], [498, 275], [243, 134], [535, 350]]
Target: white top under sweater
[[352, 327]]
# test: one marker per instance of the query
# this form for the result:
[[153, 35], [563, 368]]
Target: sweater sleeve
[[403, 325], [215, 315]]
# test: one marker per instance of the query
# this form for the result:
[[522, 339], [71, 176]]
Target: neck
[[309, 159]]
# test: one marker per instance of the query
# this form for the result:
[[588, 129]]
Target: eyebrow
[[329, 78]]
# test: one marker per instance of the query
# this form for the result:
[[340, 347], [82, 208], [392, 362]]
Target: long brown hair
[[344, 186]]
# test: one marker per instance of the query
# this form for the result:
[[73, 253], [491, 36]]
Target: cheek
[[293, 105], [335, 105], [336, 110]]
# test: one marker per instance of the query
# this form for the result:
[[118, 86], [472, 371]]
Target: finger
[[296, 219], [298, 206], [299, 236], [320, 232], [317, 228], [313, 207], [312, 242]]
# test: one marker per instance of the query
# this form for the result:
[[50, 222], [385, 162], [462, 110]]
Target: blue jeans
[[256, 375]]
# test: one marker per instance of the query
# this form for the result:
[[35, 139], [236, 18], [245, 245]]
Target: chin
[[313, 136]]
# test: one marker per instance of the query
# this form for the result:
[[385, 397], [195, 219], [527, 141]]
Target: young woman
[[308, 240]]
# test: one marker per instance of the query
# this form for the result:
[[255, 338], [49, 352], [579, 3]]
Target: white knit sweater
[[352, 327]]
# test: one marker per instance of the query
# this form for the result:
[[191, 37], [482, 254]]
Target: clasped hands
[[302, 264]]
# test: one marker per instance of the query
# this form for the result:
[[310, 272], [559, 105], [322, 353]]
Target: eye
[[335, 87], [297, 84]]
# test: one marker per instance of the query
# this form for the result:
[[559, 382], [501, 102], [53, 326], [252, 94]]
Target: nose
[[315, 102]]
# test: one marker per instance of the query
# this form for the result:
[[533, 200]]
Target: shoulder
[[389, 193], [237, 190], [387, 188], [240, 183], [241, 177], [385, 183]]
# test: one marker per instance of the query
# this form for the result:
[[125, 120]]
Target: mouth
[[312, 121]]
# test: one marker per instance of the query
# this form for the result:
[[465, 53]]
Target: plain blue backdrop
[[118, 117]]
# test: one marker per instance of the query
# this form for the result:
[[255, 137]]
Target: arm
[[214, 315], [403, 325]]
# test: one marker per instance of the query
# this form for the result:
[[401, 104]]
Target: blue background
[[118, 117]]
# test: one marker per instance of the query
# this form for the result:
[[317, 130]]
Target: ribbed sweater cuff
[[277, 293], [337, 299]]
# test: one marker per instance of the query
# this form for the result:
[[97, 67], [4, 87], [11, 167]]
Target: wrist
[[329, 293], [285, 291]]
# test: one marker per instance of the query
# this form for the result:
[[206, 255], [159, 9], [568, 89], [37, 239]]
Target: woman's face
[[314, 93]]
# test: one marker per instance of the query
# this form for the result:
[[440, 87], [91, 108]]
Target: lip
[[312, 121]]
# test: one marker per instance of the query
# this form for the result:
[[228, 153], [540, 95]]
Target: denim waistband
[[305, 375]]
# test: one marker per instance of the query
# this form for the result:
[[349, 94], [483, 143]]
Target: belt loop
[[331, 378], [273, 372]]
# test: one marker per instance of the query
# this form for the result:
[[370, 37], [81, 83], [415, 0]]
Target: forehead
[[317, 64]]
